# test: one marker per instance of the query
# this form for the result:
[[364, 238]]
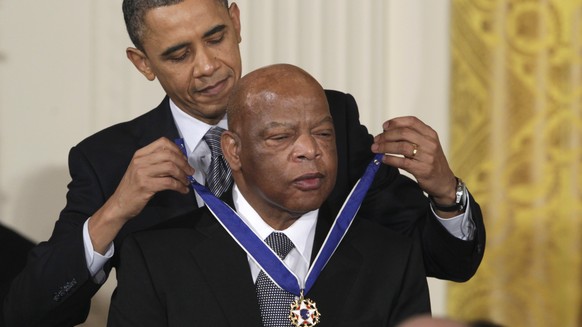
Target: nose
[[205, 63], [306, 148]]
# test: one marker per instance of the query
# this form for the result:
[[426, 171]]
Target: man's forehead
[[276, 116], [199, 15], [293, 120], [171, 28]]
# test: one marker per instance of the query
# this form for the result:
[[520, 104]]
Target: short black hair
[[134, 13]]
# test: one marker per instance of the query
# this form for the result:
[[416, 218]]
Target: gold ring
[[415, 150]]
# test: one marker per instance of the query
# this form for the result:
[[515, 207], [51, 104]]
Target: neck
[[279, 223]]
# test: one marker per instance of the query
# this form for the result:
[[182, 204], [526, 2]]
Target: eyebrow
[[214, 30], [327, 119], [174, 48]]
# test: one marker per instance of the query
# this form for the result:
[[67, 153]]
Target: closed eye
[[279, 137], [216, 40], [216, 34], [324, 133], [181, 57]]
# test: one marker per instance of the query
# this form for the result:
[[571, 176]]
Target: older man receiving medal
[[269, 253]]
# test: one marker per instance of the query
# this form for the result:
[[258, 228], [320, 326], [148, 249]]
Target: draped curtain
[[516, 138]]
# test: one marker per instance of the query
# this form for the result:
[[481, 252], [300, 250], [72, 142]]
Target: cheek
[[330, 155], [177, 80], [231, 57], [271, 172], [269, 167], [259, 164]]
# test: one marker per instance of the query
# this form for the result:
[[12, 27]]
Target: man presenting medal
[[278, 257]]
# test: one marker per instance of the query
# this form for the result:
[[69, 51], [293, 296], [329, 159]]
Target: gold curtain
[[516, 120]]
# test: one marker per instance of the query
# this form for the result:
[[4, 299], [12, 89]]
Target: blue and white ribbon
[[264, 256]]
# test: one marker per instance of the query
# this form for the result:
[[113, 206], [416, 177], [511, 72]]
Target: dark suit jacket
[[13, 250], [55, 288], [190, 272]]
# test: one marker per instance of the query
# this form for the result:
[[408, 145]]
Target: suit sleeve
[[397, 202], [13, 251], [449, 257], [413, 297], [54, 288], [135, 302]]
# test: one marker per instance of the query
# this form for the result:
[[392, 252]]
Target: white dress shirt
[[301, 233], [192, 131]]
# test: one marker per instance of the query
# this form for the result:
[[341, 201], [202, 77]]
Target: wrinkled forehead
[[293, 110], [275, 88]]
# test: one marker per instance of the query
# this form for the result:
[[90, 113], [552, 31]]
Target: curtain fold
[[516, 139]]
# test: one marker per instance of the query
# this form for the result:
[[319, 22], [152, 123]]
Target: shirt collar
[[191, 129], [301, 232]]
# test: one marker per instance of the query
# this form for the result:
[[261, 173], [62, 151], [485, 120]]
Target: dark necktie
[[274, 302], [219, 174]]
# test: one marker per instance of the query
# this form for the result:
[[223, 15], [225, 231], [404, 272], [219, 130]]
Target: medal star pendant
[[304, 313]]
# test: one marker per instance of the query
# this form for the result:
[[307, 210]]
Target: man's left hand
[[413, 146]]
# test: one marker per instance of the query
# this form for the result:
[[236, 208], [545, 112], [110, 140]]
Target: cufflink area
[[64, 290]]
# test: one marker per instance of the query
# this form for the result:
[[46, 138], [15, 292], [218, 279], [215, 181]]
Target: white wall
[[64, 76]]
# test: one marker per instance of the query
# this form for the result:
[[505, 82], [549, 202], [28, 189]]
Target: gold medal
[[304, 312]]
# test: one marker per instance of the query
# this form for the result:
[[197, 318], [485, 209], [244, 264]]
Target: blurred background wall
[[516, 138], [64, 76]]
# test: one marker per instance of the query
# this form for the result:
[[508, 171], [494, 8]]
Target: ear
[[141, 62], [234, 13], [230, 143]]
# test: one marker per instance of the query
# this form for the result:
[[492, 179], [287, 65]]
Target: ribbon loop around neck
[[264, 256]]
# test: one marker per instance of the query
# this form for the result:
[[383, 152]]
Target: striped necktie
[[219, 175]]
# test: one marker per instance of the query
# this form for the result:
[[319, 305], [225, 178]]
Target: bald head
[[280, 143], [265, 88]]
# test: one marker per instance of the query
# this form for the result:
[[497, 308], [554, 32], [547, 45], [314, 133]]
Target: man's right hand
[[156, 167]]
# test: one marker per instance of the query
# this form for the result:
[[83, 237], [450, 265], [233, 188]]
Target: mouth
[[212, 90], [309, 182]]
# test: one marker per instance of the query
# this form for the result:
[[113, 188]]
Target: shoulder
[[343, 108], [111, 149], [339, 100], [335, 95], [129, 132]]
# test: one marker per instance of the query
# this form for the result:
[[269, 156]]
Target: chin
[[307, 206]]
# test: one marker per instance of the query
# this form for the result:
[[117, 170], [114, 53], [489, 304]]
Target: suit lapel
[[339, 274], [227, 272], [161, 124]]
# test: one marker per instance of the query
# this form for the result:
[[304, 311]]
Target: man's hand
[[413, 146], [156, 167]]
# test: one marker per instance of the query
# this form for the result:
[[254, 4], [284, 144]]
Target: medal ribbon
[[264, 255]]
